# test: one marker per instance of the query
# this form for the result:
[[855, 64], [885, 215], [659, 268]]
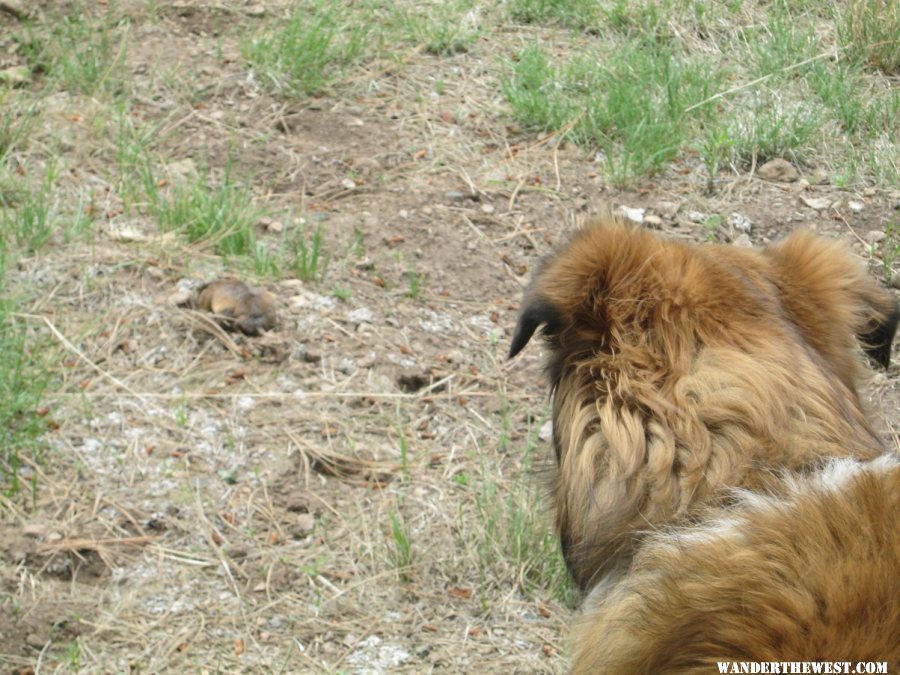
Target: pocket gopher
[[250, 310]]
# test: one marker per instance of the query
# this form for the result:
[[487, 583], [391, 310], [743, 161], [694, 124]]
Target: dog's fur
[[239, 307], [678, 374], [809, 574]]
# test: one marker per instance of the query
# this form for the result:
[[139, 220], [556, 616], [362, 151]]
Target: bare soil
[[211, 502]]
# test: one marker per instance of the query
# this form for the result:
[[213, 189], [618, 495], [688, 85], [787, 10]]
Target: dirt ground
[[214, 503]]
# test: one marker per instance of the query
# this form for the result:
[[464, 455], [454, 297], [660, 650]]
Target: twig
[[95, 544]]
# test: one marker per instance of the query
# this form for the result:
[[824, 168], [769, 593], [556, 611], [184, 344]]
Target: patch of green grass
[[515, 528], [415, 281], [222, 216], [868, 30], [402, 551], [578, 14], [81, 54], [133, 143], [32, 214], [307, 257], [633, 104], [715, 148], [711, 225], [768, 128], [23, 378], [306, 53], [781, 45], [441, 28], [16, 121], [733, 83], [342, 293], [266, 264]]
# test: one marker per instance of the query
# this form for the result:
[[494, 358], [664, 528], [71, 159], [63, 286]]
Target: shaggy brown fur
[[680, 373], [250, 310], [810, 575]]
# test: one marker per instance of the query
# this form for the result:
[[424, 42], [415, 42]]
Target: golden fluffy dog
[[680, 373]]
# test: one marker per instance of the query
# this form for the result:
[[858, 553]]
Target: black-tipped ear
[[536, 312], [878, 339]]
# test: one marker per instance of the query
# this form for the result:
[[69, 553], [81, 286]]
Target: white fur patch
[[838, 473]]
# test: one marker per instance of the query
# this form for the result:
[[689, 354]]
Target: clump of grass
[[402, 552], [307, 257], [23, 379], [767, 128], [441, 28], [16, 121], [514, 526], [414, 281], [222, 216], [633, 105], [80, 54], [32, 214], [578, 14], [782, 45], [868, 30], [715, 148], [310, 50]]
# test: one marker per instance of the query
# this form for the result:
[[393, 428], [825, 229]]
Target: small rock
[[256, 11], [779, 170], [305, 522], [856, 206], [697, 216], [348, 184], [632, 214], [488, 209], [275, 227], [403, 213], [34, 640], [743, 240], [361, 315], [546, 432], [875, 236], [368, 360], [869, 192], [653, 221], [740, 222], [454, 195], [817, 203], [15, 76]]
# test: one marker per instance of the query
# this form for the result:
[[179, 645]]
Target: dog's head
[[611, 278], [679, 371]]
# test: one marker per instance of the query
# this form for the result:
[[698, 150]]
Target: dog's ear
[[878, 335], [536, 311]]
